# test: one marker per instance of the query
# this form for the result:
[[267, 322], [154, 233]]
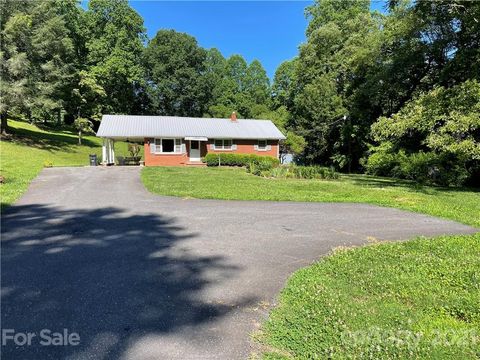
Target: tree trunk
[[4, 124], [79, 137]]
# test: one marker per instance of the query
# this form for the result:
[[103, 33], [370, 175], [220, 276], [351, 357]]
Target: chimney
[[233, 117]]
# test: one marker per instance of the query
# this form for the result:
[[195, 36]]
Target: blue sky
[[269, 31]]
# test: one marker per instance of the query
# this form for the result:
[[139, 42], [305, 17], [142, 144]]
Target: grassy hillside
[[30, 148], [234, 183]]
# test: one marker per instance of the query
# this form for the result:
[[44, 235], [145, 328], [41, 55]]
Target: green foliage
[[341, 41], [383, 161], [84, 125], [237, 86], [175, 66], [38, 59], [416, 299], [434, 138], [257, 84], [134, 149], [293, 144], [365, 65], [227, 159], [114, 36], [60, 62], [89, 96], [260, 167], [301, 172], [422, 167], [284, 81]]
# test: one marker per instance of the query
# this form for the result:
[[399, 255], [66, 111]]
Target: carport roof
[[139, 126]]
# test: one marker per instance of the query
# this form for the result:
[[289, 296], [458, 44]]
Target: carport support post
[[108, 152], [112, 151], [104, 152]]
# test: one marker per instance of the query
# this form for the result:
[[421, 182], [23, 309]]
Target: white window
[[223, 144], [168, 146], [262, 145], [178, 146]]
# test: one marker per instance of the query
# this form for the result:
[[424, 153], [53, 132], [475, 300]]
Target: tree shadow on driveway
[[110, 277]]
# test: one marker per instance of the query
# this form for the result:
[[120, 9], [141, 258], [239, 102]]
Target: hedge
[[238, 160], [293, 171]]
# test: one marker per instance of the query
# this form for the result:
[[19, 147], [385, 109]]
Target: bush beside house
[[215, 159], [267, 166]]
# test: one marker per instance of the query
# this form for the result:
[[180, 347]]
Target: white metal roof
[[139, 126]]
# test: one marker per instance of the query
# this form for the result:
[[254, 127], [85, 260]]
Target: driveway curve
[[140, 276]]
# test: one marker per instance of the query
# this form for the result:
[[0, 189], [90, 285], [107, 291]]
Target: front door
[[194, 150]]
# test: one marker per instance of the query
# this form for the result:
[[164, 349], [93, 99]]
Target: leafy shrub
[[296, 172], [227, 159], [438, 132], [422, 167], [383, 161], [134, 149], [261, 167]]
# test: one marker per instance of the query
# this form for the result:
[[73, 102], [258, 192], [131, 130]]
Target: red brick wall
[[247, 147], [163, 159], [243, 147]]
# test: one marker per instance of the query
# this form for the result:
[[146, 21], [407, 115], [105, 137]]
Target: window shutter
[[269, 147], [184, 148], [212, 146], [255, 147], [234, 146], [152, 146]]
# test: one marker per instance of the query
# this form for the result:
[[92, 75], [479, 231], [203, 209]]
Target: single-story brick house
[[173, 140]]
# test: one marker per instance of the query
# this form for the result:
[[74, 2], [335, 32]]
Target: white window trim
[[157, 148], [223, 148], [262, 148]]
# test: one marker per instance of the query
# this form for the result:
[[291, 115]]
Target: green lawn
[[234, 183], [418, 299], [30, 148]]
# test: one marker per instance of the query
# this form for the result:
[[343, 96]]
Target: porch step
[[195, 163]]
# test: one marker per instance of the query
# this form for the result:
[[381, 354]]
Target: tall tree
[[175, 67], [238, 86], [341, 43], [53, 57], [39, 57], [237, 71], [15, 65], [284, 82], [114, 36], [257, 84], [215, 73]]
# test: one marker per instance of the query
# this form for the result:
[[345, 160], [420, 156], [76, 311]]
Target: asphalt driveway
[[140, 276]]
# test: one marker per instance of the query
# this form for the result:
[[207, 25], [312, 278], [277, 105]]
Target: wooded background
[[394, 94]]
